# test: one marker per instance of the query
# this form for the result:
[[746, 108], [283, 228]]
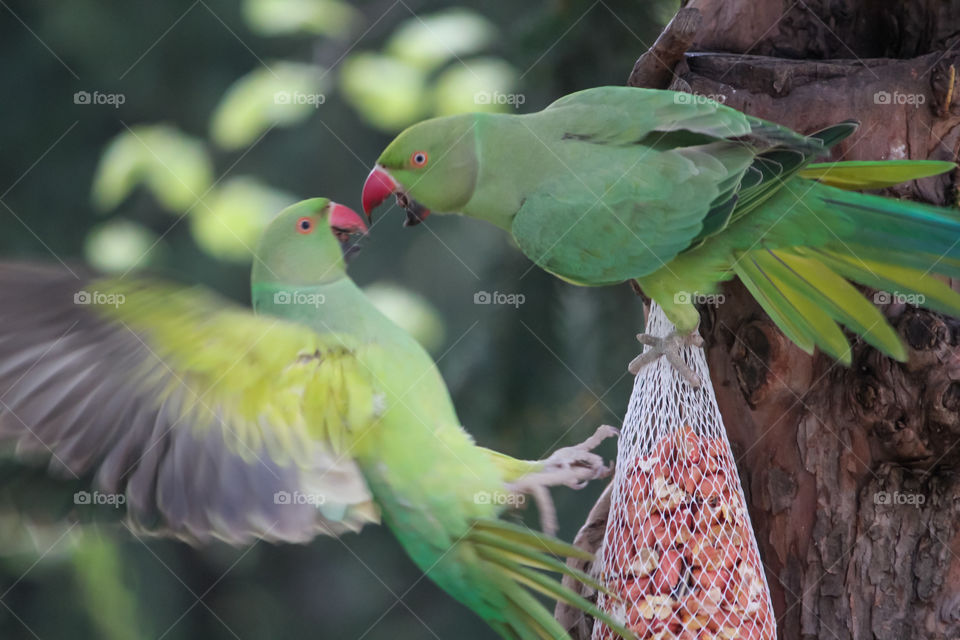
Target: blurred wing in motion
[[214, 422]]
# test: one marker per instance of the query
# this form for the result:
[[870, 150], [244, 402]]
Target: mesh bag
[[679, 549]]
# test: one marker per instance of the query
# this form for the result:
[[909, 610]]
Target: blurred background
[[162, 136]]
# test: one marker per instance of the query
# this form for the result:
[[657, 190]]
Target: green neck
[[338, 306]]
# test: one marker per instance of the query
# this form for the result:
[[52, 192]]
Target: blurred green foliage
[[230, 110]]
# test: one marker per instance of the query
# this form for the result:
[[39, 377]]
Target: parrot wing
[[606, 224], [665, 171], [629, 115], [211, 421]]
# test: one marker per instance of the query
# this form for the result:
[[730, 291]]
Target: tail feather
[[532, 539], [806, 293], [886, 223], [873, 174], [550, 588], [786, 298], [514, 557], [838, 299], [539, 619], [521, 624], [800, 274], [507, 550], [773, 302], [923, 263], [918, 286]]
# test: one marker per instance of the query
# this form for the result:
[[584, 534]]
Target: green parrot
[[676, 194], [315, 414]]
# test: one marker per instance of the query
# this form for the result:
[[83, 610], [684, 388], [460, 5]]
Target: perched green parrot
[[316, 414], [679, 193]]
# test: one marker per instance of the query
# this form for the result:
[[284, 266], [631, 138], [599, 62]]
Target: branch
[[654, 69]]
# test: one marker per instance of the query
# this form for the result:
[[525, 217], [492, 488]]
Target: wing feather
[[189, 405]]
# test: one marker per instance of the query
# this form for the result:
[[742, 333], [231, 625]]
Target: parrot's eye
[[419, 158], [304, 225]]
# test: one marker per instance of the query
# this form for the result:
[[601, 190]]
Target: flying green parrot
[[315, 414], [677, 194]]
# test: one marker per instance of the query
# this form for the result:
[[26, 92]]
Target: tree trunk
[[848, 471]]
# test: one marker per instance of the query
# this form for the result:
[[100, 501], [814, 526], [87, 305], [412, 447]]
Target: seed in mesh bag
[[656, 607], [634, 589], [688, 445], [705, 555], [693, 620], [651, 530], [668, 495], [714, 485], [715, 453], [691, 478], [757, 629], [748, 588], [663, 450], [680, 527], [705, 579], [667, 575], [645, 562], [640, 501], [646, 618]]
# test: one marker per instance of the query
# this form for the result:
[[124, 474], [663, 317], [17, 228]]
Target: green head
[[307, 244], [431, 166]]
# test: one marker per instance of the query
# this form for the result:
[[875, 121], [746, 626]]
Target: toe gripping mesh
[[679, 549]]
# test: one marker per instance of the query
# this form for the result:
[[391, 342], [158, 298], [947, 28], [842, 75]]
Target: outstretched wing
[[211, 421]]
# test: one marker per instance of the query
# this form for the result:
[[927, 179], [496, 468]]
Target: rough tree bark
[[821, 447]]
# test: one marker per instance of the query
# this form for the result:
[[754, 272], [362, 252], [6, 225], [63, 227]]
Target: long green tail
[[895, 246], [516, 558]]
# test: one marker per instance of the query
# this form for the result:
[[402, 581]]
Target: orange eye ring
[[419, 158], [305, 225]]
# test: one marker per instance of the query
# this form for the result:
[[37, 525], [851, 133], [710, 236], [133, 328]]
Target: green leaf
[[315, 17], [279, 96], [388, 93], [235, 215], [411, 311], [479, 84], [119, 245], [428, 42], [172, 165]]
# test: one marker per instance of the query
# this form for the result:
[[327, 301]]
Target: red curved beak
[[377, 188], [346, 219]]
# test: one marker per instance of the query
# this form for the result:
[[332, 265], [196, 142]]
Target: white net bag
[[679, 548]]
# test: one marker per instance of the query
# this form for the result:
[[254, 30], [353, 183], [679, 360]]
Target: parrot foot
[[669, 348], [571, 467]]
